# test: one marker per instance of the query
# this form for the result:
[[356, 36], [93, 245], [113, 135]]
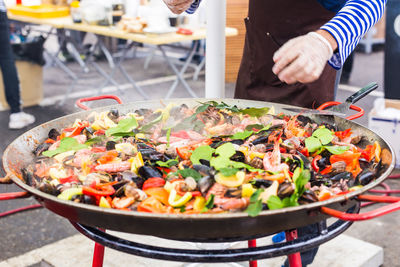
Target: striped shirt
[[348, 26], [2, 6]]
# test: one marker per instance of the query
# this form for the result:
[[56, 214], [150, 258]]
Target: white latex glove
[[302, 59], [178, 6]]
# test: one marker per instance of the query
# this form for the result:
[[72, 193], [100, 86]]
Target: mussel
[[308, 197], [239, 157], [286, 190], [261, 140], [304, 120], [233, 192], [41, 148], [205, 183], [364, 177], [53, 134], [152, 154], [147, 172], [262, 183], [49, 189], [342, 176], [28, 176], [113, 114], [204, 170], [110, 145]]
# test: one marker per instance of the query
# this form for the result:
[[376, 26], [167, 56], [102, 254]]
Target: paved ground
[[24, 232]]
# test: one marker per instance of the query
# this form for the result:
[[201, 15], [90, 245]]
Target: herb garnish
[[124, 127], [255, 206], [66, 144]]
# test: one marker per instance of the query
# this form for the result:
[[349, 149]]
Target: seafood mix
[[209, 159]]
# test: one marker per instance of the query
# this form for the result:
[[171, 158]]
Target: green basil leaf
[[95, 140], [209, 203], [274, 203], [242, 135], [124, 126], [226, 150], [228, 171], [189, 173], [251, 127], [301, 180], [324, 135], [312, 144], [167, 164], [202, 152], [255, 112], [336, 150], [255, 206], [66, 144]]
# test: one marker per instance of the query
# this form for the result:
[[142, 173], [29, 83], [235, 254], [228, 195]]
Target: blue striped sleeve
[[193, 7], [350, 24]]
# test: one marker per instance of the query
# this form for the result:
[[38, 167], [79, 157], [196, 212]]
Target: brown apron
[[269, 25]]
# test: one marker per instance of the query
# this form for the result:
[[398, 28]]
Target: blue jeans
[[7, 65]]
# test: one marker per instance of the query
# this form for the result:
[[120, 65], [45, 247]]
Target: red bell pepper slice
[[184, 152], [314, 163], [99, 132], [98, 149], [152, 205], [50, 141], [109, 156], [327, 170], [305, 152], [351, 159], [69, 179], [153, 182], [105, 191], [343, 134]]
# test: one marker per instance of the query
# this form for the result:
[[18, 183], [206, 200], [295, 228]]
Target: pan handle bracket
[[360, 113], [94, 98], [393, 206]]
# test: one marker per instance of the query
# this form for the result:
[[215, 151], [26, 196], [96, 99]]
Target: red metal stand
[[98, 254], [294, 259], [252, 244]]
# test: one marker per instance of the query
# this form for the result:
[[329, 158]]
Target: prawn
[[114, 167], [231, 203], [272, 160]]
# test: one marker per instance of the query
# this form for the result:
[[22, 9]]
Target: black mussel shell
[[265, 206], [41, 148], [306, 161], [113, 114], [285, 190], [365, 177], [234, 192], [110, 145], [151, 154], [304, 120], [308, 197], [147, 172], [90, 131], [141, 145], [202, 169], [237, 142], [261, 183], [261, 140], [342, 176], [49, 189], [239, 157], [29, 176], [205, 162], [321, 181], [143, 111], [322, 163], [205, 183], [53, 134], [330, 126], [120, 184]]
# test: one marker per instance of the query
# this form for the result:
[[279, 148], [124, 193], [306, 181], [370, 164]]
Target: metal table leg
[[179, 74]]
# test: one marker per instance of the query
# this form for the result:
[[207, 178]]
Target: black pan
[[184, 227]]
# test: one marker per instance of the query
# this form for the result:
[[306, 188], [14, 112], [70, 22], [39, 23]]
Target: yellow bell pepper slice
[[231, 181], [199, 203], [137, 162], [176, 201], [247, 190], [104, 203]]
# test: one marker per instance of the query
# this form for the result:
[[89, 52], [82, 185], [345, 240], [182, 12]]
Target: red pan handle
[[395, 205], [360, 113], [94, 98]]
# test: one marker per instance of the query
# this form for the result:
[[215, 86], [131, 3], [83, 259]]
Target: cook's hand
[[302, 59], [178, 6]]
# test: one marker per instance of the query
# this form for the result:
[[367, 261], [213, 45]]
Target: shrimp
[[231, 203], [80, 156], [272, 160], [218, 190], [114, 167]]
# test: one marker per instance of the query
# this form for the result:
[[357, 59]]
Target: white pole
[[215, 49]]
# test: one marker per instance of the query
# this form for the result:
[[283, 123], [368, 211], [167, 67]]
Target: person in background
[[289, 43], [18, 118], [287, 47]]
